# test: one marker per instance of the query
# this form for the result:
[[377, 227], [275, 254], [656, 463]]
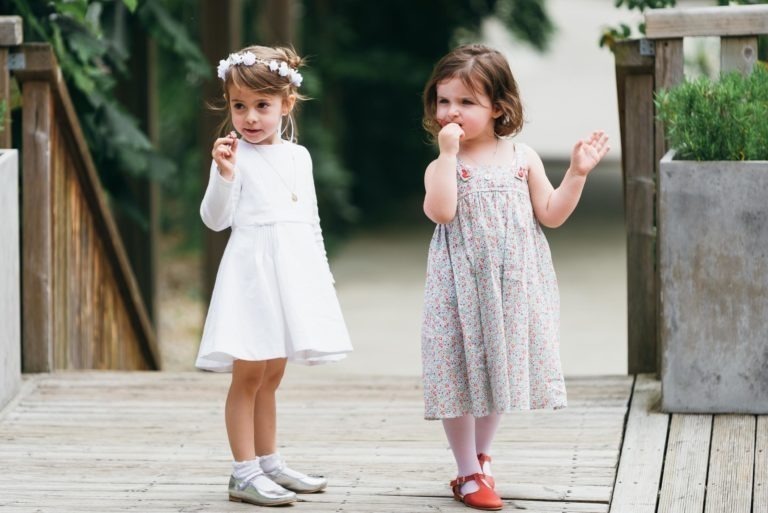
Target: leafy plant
[[623, 31], [725, 119], [91, 40]]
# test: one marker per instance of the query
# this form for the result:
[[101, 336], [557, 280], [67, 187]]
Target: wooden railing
[[81, 306], [642, 68]]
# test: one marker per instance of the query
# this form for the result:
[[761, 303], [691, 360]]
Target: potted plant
[[712, 252]]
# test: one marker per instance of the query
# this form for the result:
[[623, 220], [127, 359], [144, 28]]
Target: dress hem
[[485, 413]]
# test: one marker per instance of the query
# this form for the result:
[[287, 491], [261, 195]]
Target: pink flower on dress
[[522, 173], [464, 173]]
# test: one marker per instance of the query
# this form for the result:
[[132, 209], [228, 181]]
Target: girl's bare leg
[[247, 379], [264, 417]]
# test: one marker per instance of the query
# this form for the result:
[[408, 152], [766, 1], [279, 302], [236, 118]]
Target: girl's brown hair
[[482, 69], [260, 78]]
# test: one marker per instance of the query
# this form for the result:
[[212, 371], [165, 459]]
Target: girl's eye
[[467, 102], [442, 101], [238, 106], [263, 105]]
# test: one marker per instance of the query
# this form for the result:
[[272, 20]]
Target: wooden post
[[634, 80], [37, 242], [277, 22], [669, 73], [136, 93], [10, 35], [738, 54], [221, 33]]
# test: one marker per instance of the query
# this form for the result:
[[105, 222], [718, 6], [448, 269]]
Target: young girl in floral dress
[[490, 341]]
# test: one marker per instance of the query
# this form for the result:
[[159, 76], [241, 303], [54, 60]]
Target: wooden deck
[[144, 441]]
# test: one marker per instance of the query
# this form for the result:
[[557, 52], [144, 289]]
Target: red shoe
[[483, 458], [484, 498]]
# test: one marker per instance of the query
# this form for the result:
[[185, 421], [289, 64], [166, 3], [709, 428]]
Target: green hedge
[[725, 119]]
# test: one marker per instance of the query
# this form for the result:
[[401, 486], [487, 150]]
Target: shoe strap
[[483, 458], [477, 477]]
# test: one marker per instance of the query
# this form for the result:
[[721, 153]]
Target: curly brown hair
[[482, 69], [260, 78]]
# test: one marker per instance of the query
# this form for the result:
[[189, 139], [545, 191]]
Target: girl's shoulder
[[298, 149], [525, 152]]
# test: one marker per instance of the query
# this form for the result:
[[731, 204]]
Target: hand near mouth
[[449, 138]]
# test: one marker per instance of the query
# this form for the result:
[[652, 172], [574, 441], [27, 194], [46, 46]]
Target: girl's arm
[[217, 209], [318, 231], [440, 177], [553, 206]]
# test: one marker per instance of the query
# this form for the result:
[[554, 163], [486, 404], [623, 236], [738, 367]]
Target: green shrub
[[718, 120]]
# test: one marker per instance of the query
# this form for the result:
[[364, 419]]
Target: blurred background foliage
[[368, 62]]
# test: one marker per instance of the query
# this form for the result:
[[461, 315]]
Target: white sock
[[485, 430], [460, 432], [271, 462], [249, 471]]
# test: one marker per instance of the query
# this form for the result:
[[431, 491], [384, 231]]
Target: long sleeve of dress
[[218, 207], [319, 232]]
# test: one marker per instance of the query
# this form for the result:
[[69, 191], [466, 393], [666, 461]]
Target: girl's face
[[472, 111], [256, 116]]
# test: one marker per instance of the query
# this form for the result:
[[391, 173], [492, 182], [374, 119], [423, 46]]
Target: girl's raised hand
[[588, 152], [448, 139], [224, 151]]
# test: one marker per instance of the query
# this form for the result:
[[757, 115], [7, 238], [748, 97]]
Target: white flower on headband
[[295, 78], [249, 59]]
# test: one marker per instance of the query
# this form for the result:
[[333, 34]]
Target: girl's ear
[[497, 112], [288, 104]]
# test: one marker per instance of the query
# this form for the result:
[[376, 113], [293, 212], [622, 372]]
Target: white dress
[[274, 294]]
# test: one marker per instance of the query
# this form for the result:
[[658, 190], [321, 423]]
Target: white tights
[[468, 436]]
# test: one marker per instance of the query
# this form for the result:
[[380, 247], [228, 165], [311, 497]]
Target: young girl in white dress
[[274, 299], [491, 307]]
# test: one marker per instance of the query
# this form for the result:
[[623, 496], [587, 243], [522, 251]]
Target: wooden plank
[[668, 73], [37, 219], [5, 96], [707, 21], [11, 31], [642, 454], [738, 54], [731, 464], [685, 468], [156, 441], [760, 492], [41, 65], [639, 192]]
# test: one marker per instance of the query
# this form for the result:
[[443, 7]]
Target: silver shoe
[[240, 491], [296, 481]]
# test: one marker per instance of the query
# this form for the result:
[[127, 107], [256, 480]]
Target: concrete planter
[[713, 267], [10, 314]]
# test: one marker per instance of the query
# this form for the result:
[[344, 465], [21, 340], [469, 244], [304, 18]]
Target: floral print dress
[[490, 332]]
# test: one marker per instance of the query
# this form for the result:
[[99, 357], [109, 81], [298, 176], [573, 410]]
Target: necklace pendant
[[294, 197]]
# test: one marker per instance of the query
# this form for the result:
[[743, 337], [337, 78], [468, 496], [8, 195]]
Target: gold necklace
[[292, 190]]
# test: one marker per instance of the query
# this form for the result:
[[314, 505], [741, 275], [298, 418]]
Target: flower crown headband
[[249, 59]]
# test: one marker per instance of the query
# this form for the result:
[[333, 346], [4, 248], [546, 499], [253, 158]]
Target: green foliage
[[718, 120], [92, 41], [611, 35], [372, 63]]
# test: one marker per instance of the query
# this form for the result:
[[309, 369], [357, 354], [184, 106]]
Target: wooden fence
[[642, 68], [81, 306]]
